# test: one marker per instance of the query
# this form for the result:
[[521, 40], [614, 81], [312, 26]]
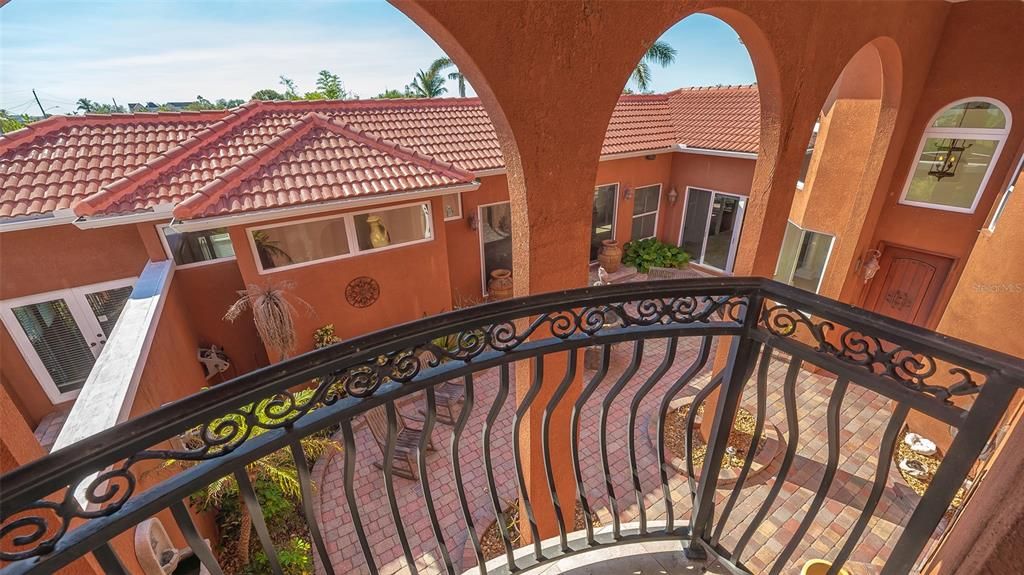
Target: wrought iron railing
[[648, 344]]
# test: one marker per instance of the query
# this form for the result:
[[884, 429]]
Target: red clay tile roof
[[124, 163], [717, 118]]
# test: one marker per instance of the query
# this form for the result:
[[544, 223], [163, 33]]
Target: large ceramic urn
[[610, 256]]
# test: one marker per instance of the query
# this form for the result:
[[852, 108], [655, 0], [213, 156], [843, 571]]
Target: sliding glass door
[[495, 229], [603, 218], [712, 222], [61, 333]]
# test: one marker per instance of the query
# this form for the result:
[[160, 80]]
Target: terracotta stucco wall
[[714, 173], [634, 173], [413, 279], [41, 260]]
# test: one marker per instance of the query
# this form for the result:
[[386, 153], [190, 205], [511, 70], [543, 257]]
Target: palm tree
[[86, 105], [273, 313], [660, 53], [427, 84], [442, 64], [278, 468]]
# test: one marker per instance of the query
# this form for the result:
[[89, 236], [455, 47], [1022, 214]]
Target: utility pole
[[114, 100], [41, 109]]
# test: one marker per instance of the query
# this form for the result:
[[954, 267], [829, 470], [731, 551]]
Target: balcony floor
[[863, 418]]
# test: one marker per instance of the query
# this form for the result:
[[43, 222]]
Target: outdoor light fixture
[[627, 193], [871, 266], [673, 195], [949, 158], [650, 157], [474, 222]]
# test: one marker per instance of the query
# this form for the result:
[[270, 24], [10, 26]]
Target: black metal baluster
[[691, 420], [194, 540], [634, 405], [252, 504], [889, 439], [698, 364], [492, 416], [538, 378], [631, 369], [792, 439], [425, 438], [350, 493], [460, 424], [306, 487], [748, 461], [109, 560], [545, 433], [574, 432], [389, 483], [835, 403]]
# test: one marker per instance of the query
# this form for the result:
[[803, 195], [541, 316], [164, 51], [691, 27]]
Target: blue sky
[[163, 50]]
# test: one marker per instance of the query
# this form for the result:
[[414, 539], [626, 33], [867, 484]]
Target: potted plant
[[650, 253]]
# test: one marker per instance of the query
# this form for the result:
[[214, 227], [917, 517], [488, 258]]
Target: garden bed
[[492, 545]]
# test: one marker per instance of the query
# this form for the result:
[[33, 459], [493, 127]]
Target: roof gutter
[[720, 153], [56, 218], [277, 213], [161, 212]]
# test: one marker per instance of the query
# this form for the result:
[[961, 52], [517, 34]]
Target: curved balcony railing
[[631, 345]]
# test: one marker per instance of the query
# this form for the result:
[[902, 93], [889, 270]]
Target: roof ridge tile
[[154, 168]]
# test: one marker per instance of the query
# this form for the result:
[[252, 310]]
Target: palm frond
[[642, 76], [439, 65], [273, 313], [660, 53]]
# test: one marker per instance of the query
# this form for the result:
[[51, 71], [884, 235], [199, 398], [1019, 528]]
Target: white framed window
[[60, 333], [646, 201], [452, 204], [808, 154], [712, 223], [956, 155], [495, 230], [603, 217], [803, 257], [315, 240], [196, 248]]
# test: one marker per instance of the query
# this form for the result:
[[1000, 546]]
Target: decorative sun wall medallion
[[362, 292]]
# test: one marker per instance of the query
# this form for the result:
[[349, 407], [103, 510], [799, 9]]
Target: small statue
[[919, 444], [602, 277]]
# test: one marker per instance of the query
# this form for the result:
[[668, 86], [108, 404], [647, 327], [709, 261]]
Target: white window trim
[[1005, 197], [730, 261], [458, 195], [997, 134], [656, 212], [170, 255], [350, 233], [828, 255], [816, 131], [480, 242], [28, 353], [615, 212]]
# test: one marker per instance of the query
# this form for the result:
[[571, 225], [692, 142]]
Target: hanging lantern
[[871, 266], [949, 159]]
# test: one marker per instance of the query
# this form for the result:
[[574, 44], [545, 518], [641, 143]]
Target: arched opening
[[837, 185], [679, 156]]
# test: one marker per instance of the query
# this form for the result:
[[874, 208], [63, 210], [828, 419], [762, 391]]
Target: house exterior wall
[[632, 173], [714, 173], [414, 282]]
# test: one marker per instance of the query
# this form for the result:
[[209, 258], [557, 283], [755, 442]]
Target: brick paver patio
[[863, 417]]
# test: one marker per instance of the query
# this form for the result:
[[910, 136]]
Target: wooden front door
[[907, 284]]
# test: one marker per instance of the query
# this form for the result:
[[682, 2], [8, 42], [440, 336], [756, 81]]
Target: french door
[[712, 222], [61, 333]]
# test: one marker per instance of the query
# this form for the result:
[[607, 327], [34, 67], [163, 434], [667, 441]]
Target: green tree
[[660, 53], [267, 94], [329, 86], [442, 64], [85, 105], [9, 123], [427, 84], [392, 94], [290, 91]]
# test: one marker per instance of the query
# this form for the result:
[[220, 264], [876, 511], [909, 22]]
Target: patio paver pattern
[[863, 416]]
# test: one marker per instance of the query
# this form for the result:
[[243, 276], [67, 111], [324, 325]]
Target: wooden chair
[[449, 397], [407, 441]]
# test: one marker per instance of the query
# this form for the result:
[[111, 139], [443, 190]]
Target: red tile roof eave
[[281, 212]]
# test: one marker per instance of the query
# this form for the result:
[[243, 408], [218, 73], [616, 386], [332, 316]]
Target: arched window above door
[[956, 155]]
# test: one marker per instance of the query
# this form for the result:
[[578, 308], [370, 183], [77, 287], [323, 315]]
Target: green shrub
[[295, 558], [647, 253]]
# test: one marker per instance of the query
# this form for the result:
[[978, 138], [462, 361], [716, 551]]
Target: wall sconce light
[[474, 222], [627, 193], [673, 196], [871, 266], [650, 157]]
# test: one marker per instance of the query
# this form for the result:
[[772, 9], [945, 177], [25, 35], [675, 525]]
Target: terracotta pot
[[610, 256], [500, 285]]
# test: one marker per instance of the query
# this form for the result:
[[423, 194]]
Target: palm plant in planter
[[273, 313]]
